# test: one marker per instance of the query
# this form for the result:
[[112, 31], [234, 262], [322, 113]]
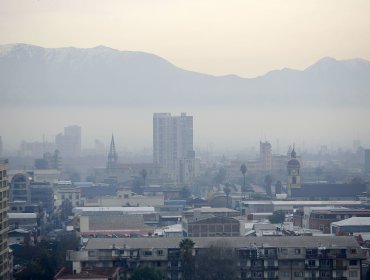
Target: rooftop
[[354, 221], [236, 242], [22, 215], [211, 210]]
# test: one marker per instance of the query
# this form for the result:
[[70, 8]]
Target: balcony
[[340, 267], [257, 268], [326, 267], [311, 267], [271, 267]]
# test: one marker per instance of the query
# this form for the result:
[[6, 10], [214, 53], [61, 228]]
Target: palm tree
[[227, 191], [243, 169], [186, 251], [143, 174]]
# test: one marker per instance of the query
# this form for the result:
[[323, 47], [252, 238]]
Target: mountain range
[[101, 76]]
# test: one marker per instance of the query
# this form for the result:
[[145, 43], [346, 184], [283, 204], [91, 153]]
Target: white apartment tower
[[4, 250], [172, 141]]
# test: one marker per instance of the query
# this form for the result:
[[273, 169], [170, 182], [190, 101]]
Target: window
[[257, 274], [298, 274], [353, 251], [284, 252], [148, 253], [297, 251], [321, 227], [294, 180], [353, 273], [270, 274], [311, 263], [325, 274], [160, 252], [353, 262], [284, 273]]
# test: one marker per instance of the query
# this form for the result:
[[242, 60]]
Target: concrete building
[[351, 226], [20, 187], [27, 221], [293, 257], [67, 191], [42, 194], [262, 206], [117, 221], [206, 211], [320, 218], [101, 273], [125, 198], [4, 249], [211, 226], [265, 156], [172, 141], [367, 161]]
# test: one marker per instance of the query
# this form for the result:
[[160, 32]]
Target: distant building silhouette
[[69, 143], [367, 161]]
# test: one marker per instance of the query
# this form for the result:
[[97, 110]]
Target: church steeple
[[112, 155], [294, 176]]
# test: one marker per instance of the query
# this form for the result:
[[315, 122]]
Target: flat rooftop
[[236, 242]]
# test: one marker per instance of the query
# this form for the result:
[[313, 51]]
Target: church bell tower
[[294, 176]]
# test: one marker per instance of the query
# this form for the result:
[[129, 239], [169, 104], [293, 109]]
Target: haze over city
[[184, 139], [244, 38]]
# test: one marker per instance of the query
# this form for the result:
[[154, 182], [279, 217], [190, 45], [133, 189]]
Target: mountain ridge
[[31, 75]]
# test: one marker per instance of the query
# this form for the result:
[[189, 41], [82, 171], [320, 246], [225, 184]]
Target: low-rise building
[[351, 226], [293, 257], [320, 218], [210, 226], [205, 211]]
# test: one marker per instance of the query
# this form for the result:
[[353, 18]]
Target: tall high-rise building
[[1, 146], [367, 161], [4, 250], [69, 143], [172, 141], [265, 156]]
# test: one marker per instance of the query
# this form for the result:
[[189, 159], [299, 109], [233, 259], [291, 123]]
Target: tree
[[66, 209], [146, 273], [186, 252], [143, 174], [268, 184], [278, 187], [243, 169], [185, 192], [278, 217], [218, 262]]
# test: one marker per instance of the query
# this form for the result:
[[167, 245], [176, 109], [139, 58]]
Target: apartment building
[[293, 257], [4, 194]]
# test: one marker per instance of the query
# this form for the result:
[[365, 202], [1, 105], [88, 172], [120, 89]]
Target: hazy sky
[[241, 37]]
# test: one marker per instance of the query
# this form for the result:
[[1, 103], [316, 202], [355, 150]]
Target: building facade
[[172, 141], [4, 194], [293, 257]]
